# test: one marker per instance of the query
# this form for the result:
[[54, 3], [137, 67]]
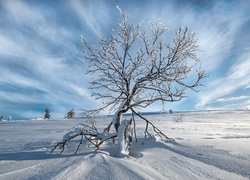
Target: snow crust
[[209, 145]]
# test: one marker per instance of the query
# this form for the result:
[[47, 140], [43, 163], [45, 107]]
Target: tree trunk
[[118, 118], [123, 108], [125, 133]]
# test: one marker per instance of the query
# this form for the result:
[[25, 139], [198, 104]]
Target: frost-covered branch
[[89, 132], [163, 136]]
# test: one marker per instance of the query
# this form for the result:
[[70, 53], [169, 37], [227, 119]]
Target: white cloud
[[241, 70], [17, 97], [94, 17], [247, 87], [21, 12], [238, 78], [232, 99], [81, 91]]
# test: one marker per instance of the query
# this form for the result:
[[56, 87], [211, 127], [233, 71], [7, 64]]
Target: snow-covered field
[[209, 145]]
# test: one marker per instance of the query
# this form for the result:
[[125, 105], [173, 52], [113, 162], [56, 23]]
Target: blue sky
[[42, 65]]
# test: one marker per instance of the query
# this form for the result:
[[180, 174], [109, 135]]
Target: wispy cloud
[[218, 26], [94, 15], [20, 12], [232, 99], [41, 60], [237, 78]]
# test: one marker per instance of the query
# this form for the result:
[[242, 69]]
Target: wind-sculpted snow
[[209, 145]]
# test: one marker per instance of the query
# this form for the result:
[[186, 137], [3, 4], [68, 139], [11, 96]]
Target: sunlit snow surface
[[209, 145]]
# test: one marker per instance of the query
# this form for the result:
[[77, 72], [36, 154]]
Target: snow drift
[[209, 145]]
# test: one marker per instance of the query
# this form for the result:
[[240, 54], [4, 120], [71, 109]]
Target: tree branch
[[158, 132]]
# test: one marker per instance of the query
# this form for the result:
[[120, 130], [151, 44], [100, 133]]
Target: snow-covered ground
[[209, 145]]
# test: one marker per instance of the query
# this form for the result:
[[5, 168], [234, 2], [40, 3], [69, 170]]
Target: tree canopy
[[134, 68]]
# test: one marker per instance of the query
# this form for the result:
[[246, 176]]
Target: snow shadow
[[23, 156], [146, 143], [221, 159]]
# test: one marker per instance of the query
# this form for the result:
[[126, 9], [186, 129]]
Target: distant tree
[[170, 111], [71, 114], [47, 113], [134, 69], [1, 118]]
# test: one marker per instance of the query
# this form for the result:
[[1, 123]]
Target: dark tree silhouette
[[47, 113], [70, 114]]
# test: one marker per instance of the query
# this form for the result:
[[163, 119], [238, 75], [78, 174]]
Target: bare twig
[[158, 131], [79, 144]]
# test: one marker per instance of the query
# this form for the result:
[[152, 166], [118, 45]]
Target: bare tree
[[71, 114], [134, 68], [47, 113]]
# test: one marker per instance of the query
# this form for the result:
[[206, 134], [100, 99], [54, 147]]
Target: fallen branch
[[89, 132]]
